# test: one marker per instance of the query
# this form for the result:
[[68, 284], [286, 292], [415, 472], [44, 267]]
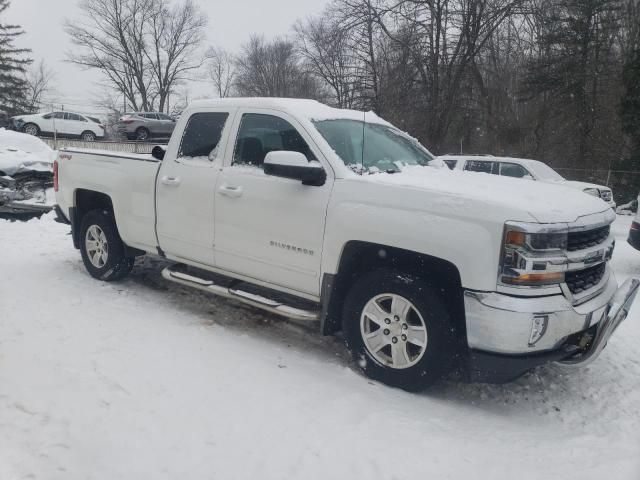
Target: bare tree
[[174, 35], [142, 47], [221, 70], [39, 84], [272, 69], [327, 53]]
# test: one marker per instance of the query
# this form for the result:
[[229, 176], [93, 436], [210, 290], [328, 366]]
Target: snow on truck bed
[[147, 380]]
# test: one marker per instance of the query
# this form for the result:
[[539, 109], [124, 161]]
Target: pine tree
[[13, 64]]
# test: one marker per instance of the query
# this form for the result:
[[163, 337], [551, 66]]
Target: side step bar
[[258, 301]]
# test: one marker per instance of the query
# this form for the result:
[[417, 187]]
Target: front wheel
[[103, 251], [398, 330], [31, 129]]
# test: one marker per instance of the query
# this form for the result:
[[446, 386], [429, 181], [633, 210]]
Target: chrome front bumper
[[502, 324]]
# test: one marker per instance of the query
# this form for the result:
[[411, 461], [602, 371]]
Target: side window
[[59, 115], [480, 166], [202, 134], [513, 170], [451, 164], [260, 134]]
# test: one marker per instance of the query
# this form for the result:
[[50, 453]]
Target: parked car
[[278, 204], [524, 168], [634, 231], [4, 120], [63, 124], [144, 126]]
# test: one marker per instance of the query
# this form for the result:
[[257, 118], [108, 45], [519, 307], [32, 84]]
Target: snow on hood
[[21, 152], [582, 185], [547, 203]]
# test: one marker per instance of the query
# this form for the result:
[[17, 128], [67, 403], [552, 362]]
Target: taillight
[[55, 176]]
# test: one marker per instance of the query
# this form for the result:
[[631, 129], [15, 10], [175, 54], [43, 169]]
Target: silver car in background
[[144, 126]]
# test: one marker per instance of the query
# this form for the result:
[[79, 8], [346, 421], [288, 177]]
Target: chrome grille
[[587, 239], [585, 279]]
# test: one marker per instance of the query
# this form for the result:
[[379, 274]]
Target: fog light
[[538, 328]]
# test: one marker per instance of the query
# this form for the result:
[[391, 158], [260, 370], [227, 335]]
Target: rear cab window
[[513, 170], [202, 135]]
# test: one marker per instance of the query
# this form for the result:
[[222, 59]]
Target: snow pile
[[148, 380], [20, 152]]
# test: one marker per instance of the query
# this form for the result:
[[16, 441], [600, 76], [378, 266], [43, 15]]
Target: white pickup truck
[[329, 215]]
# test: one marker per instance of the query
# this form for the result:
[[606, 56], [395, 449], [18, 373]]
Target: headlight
[[529, 253], [592, 191]]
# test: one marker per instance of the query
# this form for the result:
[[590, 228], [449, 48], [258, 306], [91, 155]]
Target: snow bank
[[21, 152]]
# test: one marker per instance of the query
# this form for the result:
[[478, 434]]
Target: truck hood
[[580, 185], [546, 202]]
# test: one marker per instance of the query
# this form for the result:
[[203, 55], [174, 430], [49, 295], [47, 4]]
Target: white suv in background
[[523, 168], [64, 124]]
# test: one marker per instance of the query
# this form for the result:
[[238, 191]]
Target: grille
[[605, 195], [585, 279], [590, 238]]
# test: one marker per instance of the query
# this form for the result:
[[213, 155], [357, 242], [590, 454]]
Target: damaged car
[[26, 175]]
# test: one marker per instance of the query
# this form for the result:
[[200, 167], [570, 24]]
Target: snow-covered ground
[[146, 380]]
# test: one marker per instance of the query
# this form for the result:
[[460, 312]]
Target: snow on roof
[[310, 109]]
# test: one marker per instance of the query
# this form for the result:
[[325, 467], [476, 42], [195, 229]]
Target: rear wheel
[[88, 136], [31, 129], [103, 251], [142, 134], [398, 330]]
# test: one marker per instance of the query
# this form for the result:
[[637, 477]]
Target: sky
[[231, 22]]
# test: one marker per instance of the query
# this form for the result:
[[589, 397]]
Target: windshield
[[543, 171], [385, 148]]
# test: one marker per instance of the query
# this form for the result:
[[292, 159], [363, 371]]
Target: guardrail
[[110, 146]]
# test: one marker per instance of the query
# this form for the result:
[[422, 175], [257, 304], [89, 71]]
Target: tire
[[88, 136], [112, 264], [401, 362], [31, 129], [142, 134]]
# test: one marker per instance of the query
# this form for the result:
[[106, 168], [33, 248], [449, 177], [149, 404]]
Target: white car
[[64, 124], [523, 168], [425, 270]]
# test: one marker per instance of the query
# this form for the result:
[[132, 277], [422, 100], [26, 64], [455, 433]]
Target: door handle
[[230, 191], [171, 181]]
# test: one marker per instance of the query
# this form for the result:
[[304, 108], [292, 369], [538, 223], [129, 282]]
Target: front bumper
[[499, 329]]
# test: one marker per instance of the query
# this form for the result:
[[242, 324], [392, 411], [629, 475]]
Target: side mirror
[[158, 152], [294, 165]]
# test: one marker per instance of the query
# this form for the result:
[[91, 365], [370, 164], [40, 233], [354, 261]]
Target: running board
[[258, 301]]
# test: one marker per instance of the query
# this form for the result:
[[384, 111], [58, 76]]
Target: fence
[[128, 147], [624, 183]]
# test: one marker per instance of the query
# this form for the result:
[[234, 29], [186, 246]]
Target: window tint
[[202, 135], [150, 116], [513, 170], [481, 166], [73, 116], [260, 134], [58, 115], [451, 163]]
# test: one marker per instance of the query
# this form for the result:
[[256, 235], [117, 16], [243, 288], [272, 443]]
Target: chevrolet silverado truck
[[334, 216]]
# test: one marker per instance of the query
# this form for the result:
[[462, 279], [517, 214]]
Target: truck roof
[[297, 107]]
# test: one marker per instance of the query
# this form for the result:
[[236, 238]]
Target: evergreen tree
[[13, 64]]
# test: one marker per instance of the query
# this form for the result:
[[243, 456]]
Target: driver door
[[270, 228]]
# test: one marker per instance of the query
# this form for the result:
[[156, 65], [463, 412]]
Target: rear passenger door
[[76, 124], [185, 197]]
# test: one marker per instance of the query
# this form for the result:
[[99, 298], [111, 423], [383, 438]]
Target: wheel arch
[[84, 201], [360, 257]]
